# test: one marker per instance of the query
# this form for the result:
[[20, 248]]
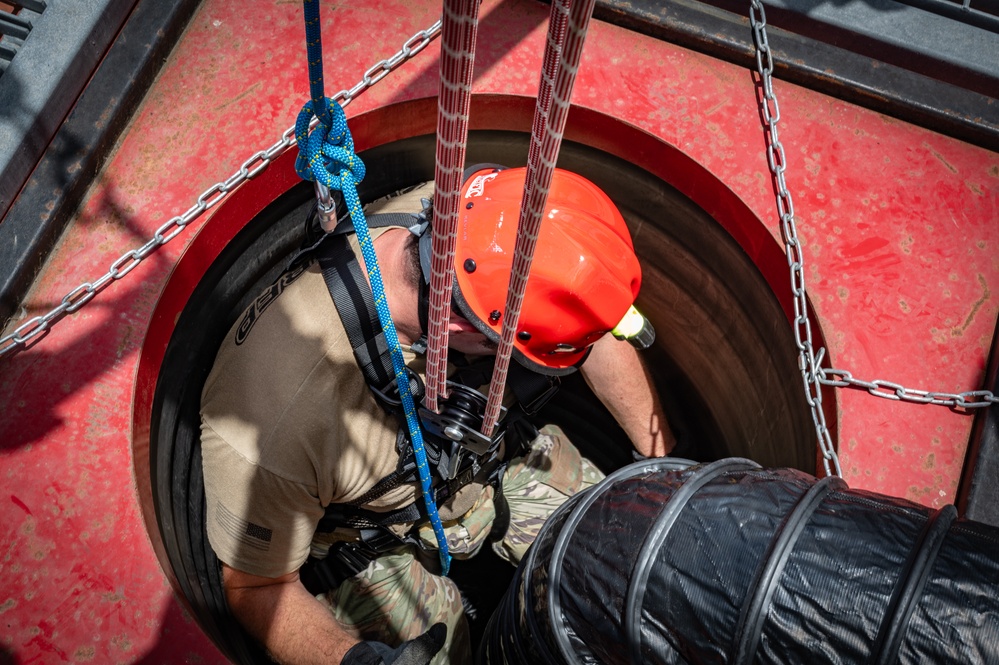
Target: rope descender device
[[326, 157]]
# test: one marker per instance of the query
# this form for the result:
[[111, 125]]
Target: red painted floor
[[899, 227]]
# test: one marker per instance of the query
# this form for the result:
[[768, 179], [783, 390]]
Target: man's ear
[[458, 324]]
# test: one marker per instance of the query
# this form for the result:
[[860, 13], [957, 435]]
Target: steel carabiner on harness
[[325, 207]]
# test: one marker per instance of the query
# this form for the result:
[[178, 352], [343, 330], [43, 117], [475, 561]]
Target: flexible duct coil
[[667, 562]]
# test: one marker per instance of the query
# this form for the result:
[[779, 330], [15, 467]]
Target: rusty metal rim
[[978, 492]]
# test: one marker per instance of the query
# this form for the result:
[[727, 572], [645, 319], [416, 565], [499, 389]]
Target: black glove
[[417, 651]]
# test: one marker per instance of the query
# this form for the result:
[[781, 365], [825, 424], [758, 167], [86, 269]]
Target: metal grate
[[15, 25], [982, 14]]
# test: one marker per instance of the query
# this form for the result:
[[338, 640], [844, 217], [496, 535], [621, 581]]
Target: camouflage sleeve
[[536, 484]]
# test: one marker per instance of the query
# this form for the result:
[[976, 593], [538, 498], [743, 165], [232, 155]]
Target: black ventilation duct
[[666, 562]]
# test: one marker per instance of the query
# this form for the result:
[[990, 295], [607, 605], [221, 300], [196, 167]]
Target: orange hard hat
[[584, 276]]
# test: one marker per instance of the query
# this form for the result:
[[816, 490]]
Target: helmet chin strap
[[423, 309], [422, 232]]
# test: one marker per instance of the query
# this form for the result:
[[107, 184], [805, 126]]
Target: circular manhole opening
[[724, 360]]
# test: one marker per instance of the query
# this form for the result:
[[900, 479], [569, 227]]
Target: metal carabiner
[[325, 207]]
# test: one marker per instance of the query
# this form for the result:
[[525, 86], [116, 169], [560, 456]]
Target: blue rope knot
[[327, 154]]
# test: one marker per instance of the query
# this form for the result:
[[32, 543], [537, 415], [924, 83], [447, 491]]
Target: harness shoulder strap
[[356, 307], [353, 299]]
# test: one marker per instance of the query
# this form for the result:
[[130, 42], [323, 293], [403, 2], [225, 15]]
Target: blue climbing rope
[[327, 156]]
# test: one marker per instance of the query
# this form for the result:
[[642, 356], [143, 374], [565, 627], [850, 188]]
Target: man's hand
[[417, 651]]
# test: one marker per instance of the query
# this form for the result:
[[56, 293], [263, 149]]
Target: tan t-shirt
[[289, 425]]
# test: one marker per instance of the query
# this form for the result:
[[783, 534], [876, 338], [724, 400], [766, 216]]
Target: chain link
[[813, 375], [972, 399], [34, 328], [807, 365]]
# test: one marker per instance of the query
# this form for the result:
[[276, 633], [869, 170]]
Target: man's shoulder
[[293, 316], [289, 336], [256, 309]]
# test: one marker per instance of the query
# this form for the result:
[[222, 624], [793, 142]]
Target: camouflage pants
[[396, 598]]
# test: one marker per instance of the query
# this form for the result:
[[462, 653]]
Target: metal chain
[[972, 399], [813, 375], [35, 327], [807, 364]]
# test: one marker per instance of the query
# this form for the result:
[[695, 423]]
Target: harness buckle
[[389, 395]]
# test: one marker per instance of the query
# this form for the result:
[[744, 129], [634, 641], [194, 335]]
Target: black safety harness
[[456, 452]]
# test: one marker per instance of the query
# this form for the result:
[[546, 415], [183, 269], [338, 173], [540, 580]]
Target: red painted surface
[[899, 224]]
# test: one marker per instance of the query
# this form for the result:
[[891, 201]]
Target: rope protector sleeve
[[547, 131], [326, 155], [459, 23]]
